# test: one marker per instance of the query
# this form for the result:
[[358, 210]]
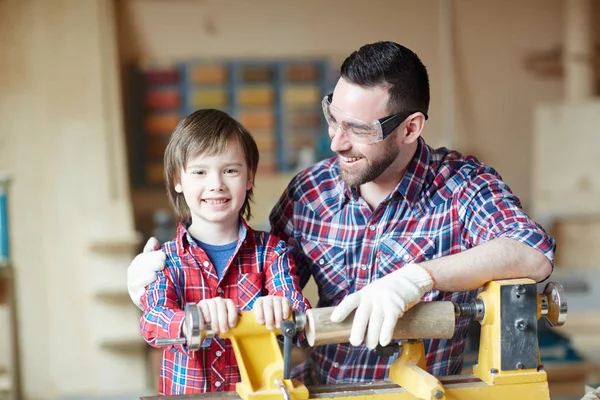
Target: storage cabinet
[[278, 101]]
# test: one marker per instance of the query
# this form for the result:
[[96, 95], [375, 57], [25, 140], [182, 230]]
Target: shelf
[[124, 346], [273, 99], [116, 245], [113, 296]]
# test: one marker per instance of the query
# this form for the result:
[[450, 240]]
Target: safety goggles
[[359, 131]]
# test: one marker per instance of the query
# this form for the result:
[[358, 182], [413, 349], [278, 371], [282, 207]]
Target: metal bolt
[[520, 365], [520, 324], [438, 394], [493, 371], [520, 290]]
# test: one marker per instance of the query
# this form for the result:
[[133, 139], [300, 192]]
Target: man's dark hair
[[393, 66]]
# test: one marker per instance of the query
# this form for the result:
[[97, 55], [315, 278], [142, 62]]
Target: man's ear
[[413, 127]]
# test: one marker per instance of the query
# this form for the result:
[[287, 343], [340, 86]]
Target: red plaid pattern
[[444, 204], [260, 266]]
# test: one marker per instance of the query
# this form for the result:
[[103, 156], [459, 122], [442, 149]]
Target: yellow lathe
[[508, 361]]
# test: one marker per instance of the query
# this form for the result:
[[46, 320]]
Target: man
[[390, 221]]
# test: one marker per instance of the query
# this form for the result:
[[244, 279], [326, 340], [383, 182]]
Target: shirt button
[[372, 227], [336, 364], [321, 262], [364, 267], [218, 384], [206, 263], [406, 256], [218, 353], [219, 290]]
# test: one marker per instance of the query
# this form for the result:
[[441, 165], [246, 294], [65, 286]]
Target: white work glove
[[142, 270], [381, 303], [591, 394]]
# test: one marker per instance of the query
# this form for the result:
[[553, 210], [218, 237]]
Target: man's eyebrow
[[355, 124]]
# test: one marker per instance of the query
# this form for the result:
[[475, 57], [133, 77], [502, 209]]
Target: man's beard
[[373, 170]]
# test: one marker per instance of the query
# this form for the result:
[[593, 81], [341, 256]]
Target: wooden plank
[[566, 160], [302, 73], [301, 95], [208, 74], [578, 242]]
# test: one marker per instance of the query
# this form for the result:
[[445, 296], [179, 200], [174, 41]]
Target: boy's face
[[214, 186]]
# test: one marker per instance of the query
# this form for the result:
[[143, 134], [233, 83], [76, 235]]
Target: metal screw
[[520, 324], [520, 290], [520, 365], [438, 394], [493, 371]]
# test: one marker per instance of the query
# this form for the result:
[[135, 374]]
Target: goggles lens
[[359, 131]]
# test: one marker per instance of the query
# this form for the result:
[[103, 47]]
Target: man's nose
[[339, 140]]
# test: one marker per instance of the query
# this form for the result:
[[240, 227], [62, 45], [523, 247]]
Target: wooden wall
[[61, 140], [494, 91]]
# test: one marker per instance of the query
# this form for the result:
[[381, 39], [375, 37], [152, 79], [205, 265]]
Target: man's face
[[360, 162]]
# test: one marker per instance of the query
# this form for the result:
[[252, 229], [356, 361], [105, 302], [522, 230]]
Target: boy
[[216, 259]]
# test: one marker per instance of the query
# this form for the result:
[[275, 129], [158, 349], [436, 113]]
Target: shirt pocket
[[396, 251], [249, 288], [328, 268]]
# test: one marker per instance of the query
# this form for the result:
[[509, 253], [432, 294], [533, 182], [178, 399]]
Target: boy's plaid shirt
[[445, 203], [260, 266]]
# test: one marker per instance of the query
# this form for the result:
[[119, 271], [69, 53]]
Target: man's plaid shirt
[[445, 203], [260, 266]]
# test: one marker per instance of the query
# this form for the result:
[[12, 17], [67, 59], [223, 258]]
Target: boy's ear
[[178, 188], [250, 180]]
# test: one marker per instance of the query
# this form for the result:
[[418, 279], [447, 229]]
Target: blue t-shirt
[[218, 255]]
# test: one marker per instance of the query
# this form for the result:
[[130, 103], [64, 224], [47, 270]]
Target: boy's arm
[[282, 226], [163, 315], [280, 275]]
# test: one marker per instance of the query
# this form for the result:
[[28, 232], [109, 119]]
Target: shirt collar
[[184, 239], [411, 185]]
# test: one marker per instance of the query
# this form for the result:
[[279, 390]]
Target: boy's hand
[[142, 270], [271, 310], [221, 313]]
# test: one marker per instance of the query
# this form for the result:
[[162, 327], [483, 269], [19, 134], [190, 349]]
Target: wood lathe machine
[[508, 361]]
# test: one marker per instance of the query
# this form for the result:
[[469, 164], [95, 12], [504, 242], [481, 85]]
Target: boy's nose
[[215, 182]]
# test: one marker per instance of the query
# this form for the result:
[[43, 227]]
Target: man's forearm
[[501, 258]]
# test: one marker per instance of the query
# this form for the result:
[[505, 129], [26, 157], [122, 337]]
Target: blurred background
[[91, 89]]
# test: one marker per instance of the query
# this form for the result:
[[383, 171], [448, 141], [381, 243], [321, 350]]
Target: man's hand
[[381, 303], [142, 270], [221, 313], [272, 310]]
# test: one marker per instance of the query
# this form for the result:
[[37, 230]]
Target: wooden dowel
[[433, 320]]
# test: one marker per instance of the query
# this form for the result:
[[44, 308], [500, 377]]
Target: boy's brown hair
[[207, 131]]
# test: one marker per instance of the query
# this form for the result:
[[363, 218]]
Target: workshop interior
[[90, 91]]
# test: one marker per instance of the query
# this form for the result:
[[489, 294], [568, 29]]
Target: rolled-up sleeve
[[491, 210]]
